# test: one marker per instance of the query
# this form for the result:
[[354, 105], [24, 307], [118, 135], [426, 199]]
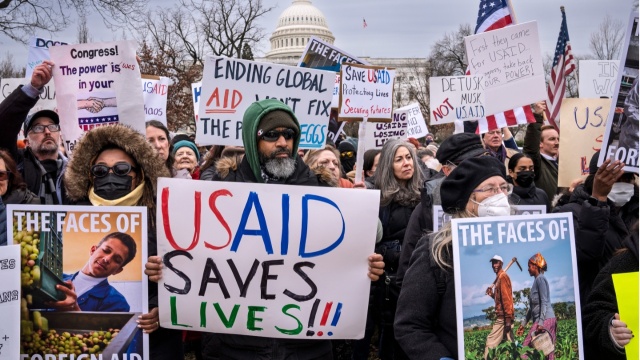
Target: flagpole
[[513, 12]]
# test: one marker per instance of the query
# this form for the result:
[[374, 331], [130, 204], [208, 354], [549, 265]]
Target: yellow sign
[[626, 286]]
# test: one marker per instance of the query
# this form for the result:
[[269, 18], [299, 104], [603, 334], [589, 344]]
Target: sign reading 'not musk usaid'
[[229, 86]]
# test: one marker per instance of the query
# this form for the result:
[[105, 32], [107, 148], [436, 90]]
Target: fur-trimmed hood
[[77, 179]]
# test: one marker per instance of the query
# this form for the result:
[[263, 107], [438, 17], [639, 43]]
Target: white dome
[[296, 25]]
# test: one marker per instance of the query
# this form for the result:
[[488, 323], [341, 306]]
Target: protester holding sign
[[425, 323], [521, 174], [158, 136], [115, 165], [541, 143], [42, 166], [492, 141]]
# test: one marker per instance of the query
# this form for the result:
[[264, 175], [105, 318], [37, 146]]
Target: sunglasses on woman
[[4, 175], [120, 169]]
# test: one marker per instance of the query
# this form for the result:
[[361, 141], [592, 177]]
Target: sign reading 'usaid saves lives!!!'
[[229, 86]]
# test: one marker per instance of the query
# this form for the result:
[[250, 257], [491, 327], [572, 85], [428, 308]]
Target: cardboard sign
[[366, 91], [10, 302], [265, 260], [38, 52], [583, 119], [597, 78], [416, 126], [154, 92], [196, 91], [626, 286], [379, 133], [510, 62], [324, 56], [456, 98], [47, 99], [477, 240], [440, 217], [229, 86], [82, 244], [98, 85], [621, 135]]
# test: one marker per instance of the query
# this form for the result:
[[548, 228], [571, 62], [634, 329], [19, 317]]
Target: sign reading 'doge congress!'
[[265, 260], [229, 86]]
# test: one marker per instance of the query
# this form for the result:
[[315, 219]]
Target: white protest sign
[[196, 90], [455, 98], [379, 133], [510, 62], [416, 126], [100, 85], [47, 99], [264, 259], [10, 300], [583, 119], [440, 217], [154, 92], [38, 52], [229, 86], [366, 91], [597, 78]]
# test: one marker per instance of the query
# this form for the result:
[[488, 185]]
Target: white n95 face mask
[[496, 205], [621, 193]]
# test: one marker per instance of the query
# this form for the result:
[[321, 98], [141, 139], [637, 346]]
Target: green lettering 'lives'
[[252, 319], [232, 318], [295, 331], [174, 313]]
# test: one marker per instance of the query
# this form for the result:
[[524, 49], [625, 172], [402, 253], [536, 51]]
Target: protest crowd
[[412, 310]]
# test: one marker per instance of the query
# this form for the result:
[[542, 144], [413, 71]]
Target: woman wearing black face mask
[[115, 165], [521, 174]]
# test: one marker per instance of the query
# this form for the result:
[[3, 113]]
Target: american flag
[[364, 23], [492, 15], [563, 65]]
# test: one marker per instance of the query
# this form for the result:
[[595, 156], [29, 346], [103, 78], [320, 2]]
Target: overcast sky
[[402, 28]]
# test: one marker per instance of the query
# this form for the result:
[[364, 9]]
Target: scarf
[[131, 199]]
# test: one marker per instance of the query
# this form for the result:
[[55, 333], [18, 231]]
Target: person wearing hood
[[116, 166], [521, 175], [347, 155], [425, 324], [605, 332], [13, 190], [270, 135]]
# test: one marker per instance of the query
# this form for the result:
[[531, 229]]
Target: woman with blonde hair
[[329, 159]]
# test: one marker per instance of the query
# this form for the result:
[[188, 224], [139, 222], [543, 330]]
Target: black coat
[[599, 232], [425, 323], [532, 196], [602, 304]]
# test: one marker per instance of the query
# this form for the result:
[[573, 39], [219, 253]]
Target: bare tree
[[606, 42], [20, 19], [8, 69], [83, 30]]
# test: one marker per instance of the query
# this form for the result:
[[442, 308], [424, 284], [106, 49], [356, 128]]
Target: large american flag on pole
[[492, 15], [563, 65]]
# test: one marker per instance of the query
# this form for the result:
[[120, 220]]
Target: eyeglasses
[[274, 135], [506, 188], [120, 169], [40, 128], [4, 175], [347, 154]]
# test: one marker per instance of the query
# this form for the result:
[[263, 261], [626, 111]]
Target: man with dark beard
[[40, 164]]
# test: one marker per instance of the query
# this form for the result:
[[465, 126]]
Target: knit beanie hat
[[276, 119], [456, 189], [458, 147], [186, 143]]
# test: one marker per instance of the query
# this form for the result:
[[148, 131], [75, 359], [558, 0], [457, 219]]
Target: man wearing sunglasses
[[41, 164]]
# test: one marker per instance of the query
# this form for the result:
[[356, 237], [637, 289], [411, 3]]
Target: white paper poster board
[[154, 91], [10, 304], [366, 91], [229, 86], [47, 99], [597, 78], [440, 217], [582, 124], [38, 52], [98, 85], [265, 260], [196, 91], [510, 62], [455, 98], [416, 126], [477, 240], [379, 133]]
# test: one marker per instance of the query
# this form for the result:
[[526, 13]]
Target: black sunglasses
[[274, 135], [4, 174], [120, 169]]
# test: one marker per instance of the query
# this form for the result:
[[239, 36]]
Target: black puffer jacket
[[532, 196], [599, 232], [602, 304]]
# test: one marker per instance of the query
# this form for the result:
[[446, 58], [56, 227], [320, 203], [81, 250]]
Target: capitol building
[[301, 21]]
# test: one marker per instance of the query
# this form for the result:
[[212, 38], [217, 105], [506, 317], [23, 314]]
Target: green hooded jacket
[[250, 122]]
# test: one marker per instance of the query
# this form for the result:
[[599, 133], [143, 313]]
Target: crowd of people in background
[[411, 310]]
